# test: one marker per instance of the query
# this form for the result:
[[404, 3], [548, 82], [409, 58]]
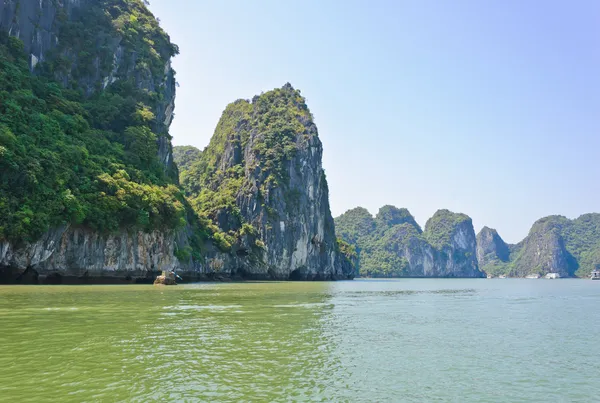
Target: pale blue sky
[[491, 108]]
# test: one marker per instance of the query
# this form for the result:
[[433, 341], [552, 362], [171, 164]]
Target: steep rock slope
[[393, 245], [493, 254], [87, 181], [260, 181]]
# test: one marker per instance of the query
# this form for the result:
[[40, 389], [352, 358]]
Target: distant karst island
[[392, 244]]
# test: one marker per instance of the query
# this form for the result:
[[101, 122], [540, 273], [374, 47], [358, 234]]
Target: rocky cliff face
[[115, 60], [77, 255], [262, 183], [393, 244], [89, 43], [543, 251], [453, 235], [492, 252], [554, 244]]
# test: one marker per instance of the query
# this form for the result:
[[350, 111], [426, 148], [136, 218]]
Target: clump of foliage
[[440, 227], [348, 250], [388, 216], [355, 225], [185, 156], [68, 158], [348, 253]]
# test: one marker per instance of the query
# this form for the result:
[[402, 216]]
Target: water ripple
[[421, 340]]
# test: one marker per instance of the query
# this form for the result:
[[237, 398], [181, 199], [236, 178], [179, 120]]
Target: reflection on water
[[362, 341]]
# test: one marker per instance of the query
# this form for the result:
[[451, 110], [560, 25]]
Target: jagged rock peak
[[491, 248], [261, 181]]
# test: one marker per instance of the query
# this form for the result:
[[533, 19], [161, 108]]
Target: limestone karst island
[[205, 236]]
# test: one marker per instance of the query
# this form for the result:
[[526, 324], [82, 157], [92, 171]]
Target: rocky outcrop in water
[[261, 182], [115, 60], [554, 244], [393, 245]]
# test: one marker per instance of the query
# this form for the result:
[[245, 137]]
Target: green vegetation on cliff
[[439, 228], [372, 238], [216, 177], [355, 225], [84, 51], [185, 156], [393, 245], [260, 186], [80, 154]]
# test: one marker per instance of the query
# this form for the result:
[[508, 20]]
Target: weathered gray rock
[[166, 278], [493, 254], [491, 247], [76, 253], [544, 251], [284, 197], [79, 255], [299, 237]]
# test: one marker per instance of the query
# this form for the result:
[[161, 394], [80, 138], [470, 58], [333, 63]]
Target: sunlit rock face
[[266, 158], [94, 53]]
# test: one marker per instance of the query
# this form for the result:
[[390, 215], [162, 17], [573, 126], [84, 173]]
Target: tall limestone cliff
[[87, 179], [393, 245], [261, 183]]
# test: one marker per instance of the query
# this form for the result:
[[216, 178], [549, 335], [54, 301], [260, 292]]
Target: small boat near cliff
[[533, 276], [552, 275], [595, 275]]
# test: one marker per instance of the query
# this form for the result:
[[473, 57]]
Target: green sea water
[[437, 340]]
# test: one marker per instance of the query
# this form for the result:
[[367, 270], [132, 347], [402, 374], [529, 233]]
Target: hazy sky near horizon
[[490, 108]]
